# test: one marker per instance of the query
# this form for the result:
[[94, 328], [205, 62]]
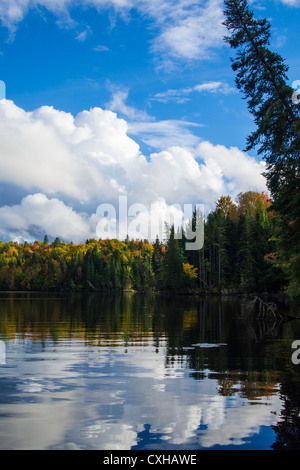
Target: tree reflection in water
[[210, 338]]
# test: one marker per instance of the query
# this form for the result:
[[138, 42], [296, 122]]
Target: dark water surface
[[93, 371]]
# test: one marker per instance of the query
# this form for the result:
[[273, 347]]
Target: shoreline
[[280, 296]]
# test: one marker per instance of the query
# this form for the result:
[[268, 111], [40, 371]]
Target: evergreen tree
[[261, 232], [157, 263], [173, 264], [216, 244]]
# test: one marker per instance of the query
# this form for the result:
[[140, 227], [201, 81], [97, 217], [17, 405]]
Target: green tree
[[157, 262], [216, 247], [56, 242], [173, 264]]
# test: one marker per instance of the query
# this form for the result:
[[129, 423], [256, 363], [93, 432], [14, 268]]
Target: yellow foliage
[[190, 271]]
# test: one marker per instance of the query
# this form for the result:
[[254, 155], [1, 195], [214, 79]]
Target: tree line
[[237, 256]]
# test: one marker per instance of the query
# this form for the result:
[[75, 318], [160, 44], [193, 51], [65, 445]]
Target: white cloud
[[117, 104], [163, 134], [182, 25], [214, 87], [182, 411], [12, 12], [182, 94], [156, 134], [234, 171], [185, 29], [101, 48], [261, 4], [48, 216], [83, 35], [55, 152], [63, 162], [290, 3], [193, 35]]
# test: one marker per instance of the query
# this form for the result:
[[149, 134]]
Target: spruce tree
[[173, 264], [261, 75]]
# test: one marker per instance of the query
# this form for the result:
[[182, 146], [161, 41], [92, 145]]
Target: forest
[[238, 256]]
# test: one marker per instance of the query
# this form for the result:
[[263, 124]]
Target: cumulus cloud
[[55, 152], [69, 165], [232, 170], [38, 214]]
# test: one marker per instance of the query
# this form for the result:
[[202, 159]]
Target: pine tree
[[173, 264], [261, 75], [261, 233], [216, 244], [157, 262]]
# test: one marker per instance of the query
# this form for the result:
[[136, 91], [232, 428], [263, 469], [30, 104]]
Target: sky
[[132, 99]]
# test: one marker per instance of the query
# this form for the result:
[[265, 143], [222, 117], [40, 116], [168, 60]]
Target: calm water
[[144, 372]]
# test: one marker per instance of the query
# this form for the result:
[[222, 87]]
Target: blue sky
[[121, 97]]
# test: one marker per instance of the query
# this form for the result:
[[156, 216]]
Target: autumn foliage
[[237, 255]]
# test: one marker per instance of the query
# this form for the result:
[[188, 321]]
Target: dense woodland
[[237, 256]]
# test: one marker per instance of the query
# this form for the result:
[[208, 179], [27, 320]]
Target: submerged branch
[[266, 309]]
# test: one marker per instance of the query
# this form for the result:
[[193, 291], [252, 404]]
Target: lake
[[131, 371]]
